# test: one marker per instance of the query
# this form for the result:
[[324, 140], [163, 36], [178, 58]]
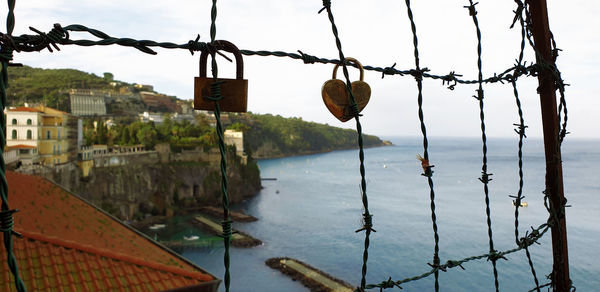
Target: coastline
[[384, 143]]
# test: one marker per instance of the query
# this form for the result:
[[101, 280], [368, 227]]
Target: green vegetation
[[49, 86], [179, 135], [265, 135], [293, 136]]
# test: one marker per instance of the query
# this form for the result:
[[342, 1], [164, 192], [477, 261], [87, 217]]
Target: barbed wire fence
[[544, 68]]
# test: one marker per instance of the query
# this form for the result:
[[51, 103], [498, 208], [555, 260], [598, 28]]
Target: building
[[50, 132], [86, 102], [69, 245], [25, 154], [147, 117], [236, 138], [158, 102]]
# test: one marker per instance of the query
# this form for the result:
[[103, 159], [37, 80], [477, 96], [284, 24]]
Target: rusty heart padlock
[[337, 98], [234, 92]]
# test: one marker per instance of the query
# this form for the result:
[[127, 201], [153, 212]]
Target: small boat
[[191, 237], [157, 226]]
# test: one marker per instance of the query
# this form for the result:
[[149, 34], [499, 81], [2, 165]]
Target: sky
[[377, 33]]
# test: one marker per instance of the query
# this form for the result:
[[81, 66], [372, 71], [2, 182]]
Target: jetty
[[180, 244], [235, 216], [310, 277], [238, 239]]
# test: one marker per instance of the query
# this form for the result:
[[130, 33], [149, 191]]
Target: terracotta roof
[[21, 146], [24, 109], [72, 245]]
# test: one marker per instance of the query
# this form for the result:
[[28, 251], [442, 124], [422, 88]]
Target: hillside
[[269, 136], [266, 136], [48, 86]]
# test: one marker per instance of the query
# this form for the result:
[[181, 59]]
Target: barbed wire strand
[[6, 214], [60, 36], [367, 216], [215, 92], [485, 176], [528, 240], [521, 132], [427, 167]]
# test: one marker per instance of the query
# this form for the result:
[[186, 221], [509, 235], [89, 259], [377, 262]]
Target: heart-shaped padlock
[[337, 98]]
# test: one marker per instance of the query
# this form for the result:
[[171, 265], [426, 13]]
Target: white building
[[236, 138], [23, 126]]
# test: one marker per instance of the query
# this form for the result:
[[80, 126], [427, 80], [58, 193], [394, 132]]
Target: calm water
[[312, 210]]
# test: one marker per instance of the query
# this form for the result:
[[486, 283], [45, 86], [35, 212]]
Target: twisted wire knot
[[49, 40], [8, 39], [479, 95], [495, 256], [518, 12], [529, 238], [451, 264], [437, 266], [7, 222], [520, 129], [227, 229], [388, 71], [58, 33], [326, 5], [418, 73], [485, 177], [307, 59], [520, 69], [472, 11], [517, 200], [215, 91], [196, 46], [496, 78], [428, 171], [451, 77], [367, 223], [6, 53], [389, 283], [353, 110]]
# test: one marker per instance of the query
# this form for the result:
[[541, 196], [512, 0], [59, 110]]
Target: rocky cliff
[[134, 191]]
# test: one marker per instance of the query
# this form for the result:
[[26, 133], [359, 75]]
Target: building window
[[54, 149], [24, 151], [29, 121], [14, 121], [28, 134], [14, 134], [47, 134], [58, 136], [58, 149]]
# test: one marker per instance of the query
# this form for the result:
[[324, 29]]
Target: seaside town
[[102, 172], [40, 136], [45, 146]]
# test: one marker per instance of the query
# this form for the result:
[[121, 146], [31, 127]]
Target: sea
[[312, 210]]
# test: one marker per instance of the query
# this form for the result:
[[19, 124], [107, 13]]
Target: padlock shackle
[[350, 60], [222, 45]]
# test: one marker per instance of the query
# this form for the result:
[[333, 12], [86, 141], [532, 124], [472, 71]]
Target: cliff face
[[132, 191]]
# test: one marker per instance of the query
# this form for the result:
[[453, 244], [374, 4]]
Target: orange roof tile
[[70, 244], [24, 109], [52, 264]]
